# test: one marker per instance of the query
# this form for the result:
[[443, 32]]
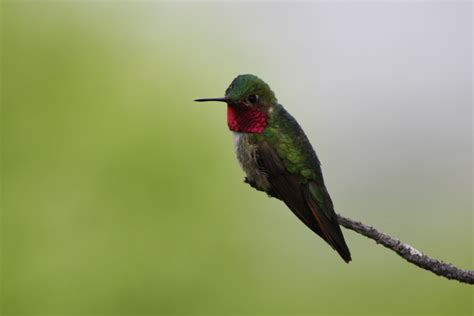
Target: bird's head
[[250, 103]]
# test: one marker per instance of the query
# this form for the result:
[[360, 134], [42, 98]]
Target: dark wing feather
[[309, 201]]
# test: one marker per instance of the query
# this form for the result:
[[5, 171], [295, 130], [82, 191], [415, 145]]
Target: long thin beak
[[213, 99]]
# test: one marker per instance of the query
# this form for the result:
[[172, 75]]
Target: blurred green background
[[120, 196]]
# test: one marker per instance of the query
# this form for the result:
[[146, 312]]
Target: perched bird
[[278, 158]]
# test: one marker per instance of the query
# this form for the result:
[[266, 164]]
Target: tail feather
[[328, 226]]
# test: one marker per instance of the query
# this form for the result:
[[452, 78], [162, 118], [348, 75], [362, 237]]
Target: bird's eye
[[252, 98]]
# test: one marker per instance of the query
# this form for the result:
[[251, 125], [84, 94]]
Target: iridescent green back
[[285, 135]]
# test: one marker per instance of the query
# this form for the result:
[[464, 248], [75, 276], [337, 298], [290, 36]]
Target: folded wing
[[308, 199]]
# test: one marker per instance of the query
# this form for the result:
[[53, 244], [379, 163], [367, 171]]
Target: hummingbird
[[278, 158]]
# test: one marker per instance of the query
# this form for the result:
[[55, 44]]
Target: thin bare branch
[[409, 253]]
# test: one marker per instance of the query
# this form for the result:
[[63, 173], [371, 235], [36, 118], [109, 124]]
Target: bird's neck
[[245, 119]]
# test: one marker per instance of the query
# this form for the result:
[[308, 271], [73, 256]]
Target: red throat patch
[[245, 119]]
